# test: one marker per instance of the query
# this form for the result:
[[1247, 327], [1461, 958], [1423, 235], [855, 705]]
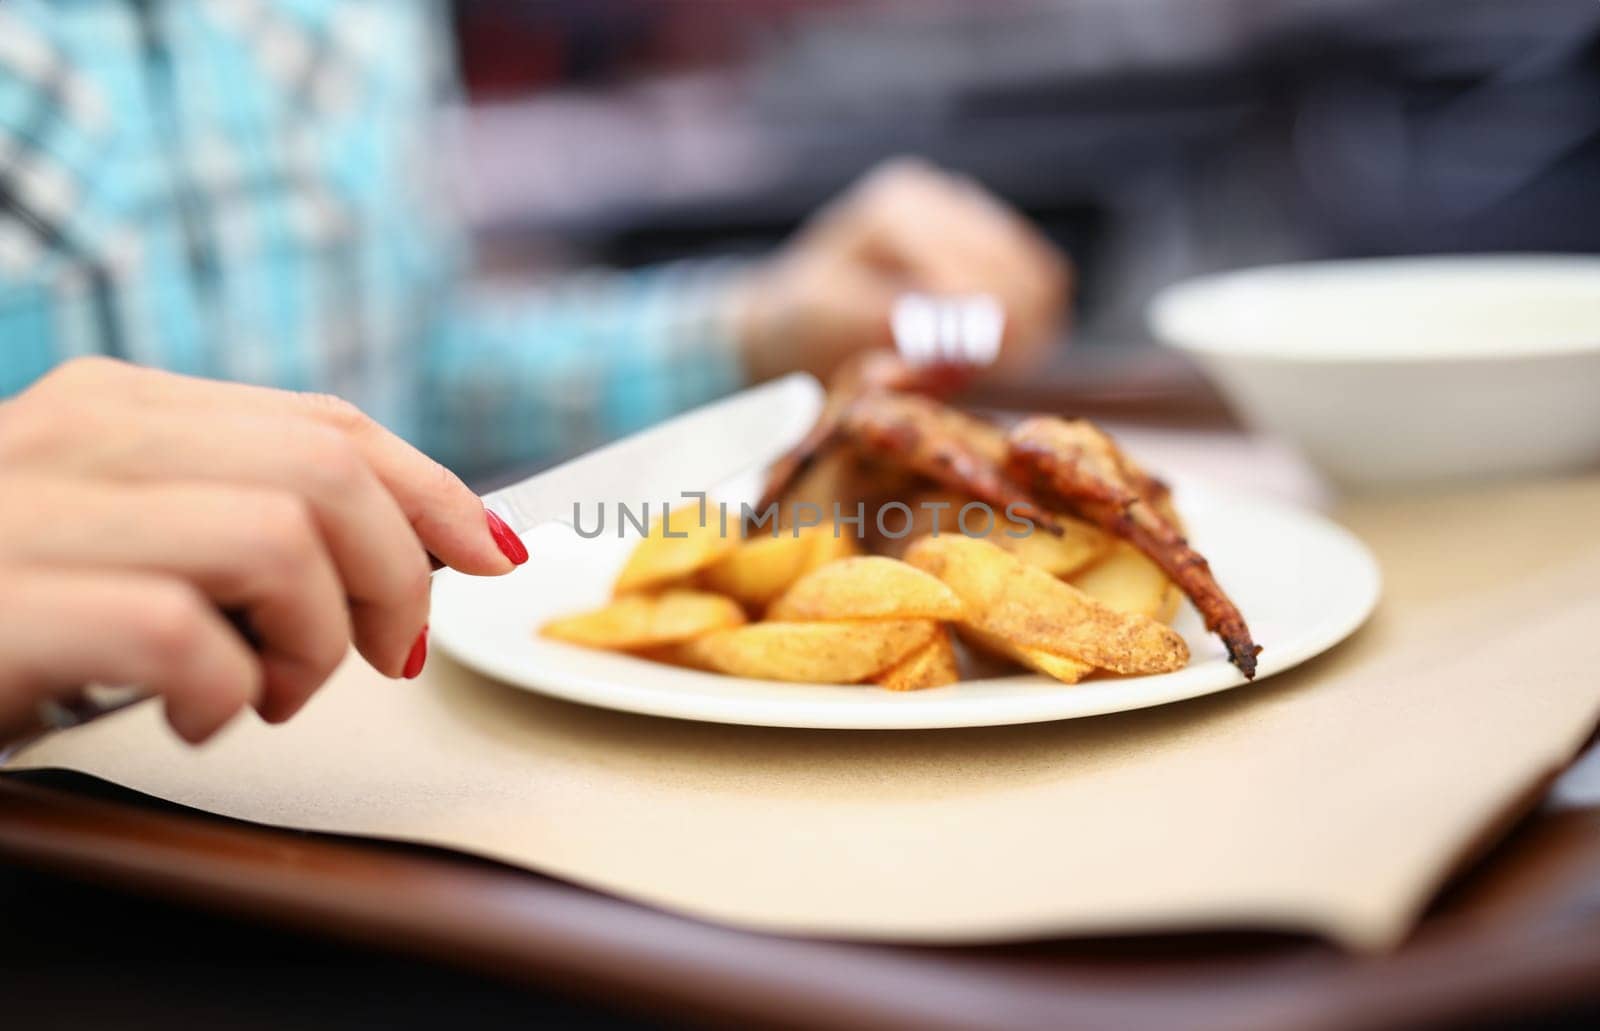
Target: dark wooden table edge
[[1537, 954]]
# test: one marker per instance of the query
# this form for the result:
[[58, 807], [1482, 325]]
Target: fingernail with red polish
[[419, 655], [510, 544]]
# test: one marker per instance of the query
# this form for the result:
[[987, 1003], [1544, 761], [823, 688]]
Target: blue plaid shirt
[[242, 189]]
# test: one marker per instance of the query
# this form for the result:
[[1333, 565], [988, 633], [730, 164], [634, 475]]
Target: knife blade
[[690, 452]]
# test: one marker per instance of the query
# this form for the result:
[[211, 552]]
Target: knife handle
[[86, 705]]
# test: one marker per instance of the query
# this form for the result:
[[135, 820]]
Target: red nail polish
[[510, 544], [419, 655]]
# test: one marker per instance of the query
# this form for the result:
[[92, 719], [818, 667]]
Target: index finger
[[445, 514]]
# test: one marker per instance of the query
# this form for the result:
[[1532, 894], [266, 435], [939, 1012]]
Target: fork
[[948, 329]]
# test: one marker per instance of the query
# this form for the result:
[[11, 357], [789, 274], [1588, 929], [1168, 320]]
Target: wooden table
[[1516, 939]]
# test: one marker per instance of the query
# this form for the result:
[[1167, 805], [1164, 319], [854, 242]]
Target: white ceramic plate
[[1303, 583]]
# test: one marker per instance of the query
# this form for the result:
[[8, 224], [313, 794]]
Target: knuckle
[[325, 655], [415, 580], [336, 411], [407, 580], [37, 426], [333, 463], [905, 171], [86, 370], [237, 689], [441, 484], [68, 403], [82, 382], [171, 625], [286, 536], [895, 186]]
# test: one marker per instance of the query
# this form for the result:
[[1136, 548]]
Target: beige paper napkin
[[1334, 798]]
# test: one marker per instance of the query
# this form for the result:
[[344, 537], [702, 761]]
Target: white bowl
[[1406, 370]]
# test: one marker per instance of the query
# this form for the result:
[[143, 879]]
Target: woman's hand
[[906, 227], [136, 507]]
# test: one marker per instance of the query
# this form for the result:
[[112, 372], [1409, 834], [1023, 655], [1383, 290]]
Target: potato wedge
[[1062, 668], [1128, 581], [932, 665], [640, 621], [869, 587], [763, 567], [1030, 608], [819, 653], [833, 545], [1078, 546], [659, 559]]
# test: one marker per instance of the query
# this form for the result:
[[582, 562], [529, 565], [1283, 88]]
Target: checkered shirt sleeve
[[244, 189]]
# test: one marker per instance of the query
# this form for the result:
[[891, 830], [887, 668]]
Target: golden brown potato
[[1062, 668], [1079, 543], [870, 587], [763, 567], [932, 665], [1030, 608], [640, 621], [659, 560], [1128, 581], [818, 653], [832, 546]]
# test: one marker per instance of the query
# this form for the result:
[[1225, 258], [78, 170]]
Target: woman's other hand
[[907, 226], [137, 507]]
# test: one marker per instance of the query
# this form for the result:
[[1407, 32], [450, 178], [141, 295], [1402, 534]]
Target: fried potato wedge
[[940, 512], [1030, 608], [676, 546], [1129, 582], [1062, 668], [761, 568], [932, 665], [1079, 545], [818, 653], [833, 544], [869, 587], [639, 621]]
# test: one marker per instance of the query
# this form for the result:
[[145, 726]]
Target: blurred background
[[1153, 139]]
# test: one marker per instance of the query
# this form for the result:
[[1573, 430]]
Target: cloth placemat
[[1334, 798]]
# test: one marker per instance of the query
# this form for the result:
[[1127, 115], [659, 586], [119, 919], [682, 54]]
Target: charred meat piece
[[871, 373], [955, 450], [1073, 465], [881, 411]]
